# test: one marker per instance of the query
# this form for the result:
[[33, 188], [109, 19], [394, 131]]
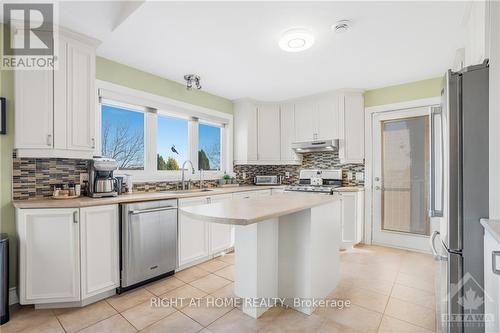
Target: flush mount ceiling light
[[192, 79], [296, 40], [341, 26]]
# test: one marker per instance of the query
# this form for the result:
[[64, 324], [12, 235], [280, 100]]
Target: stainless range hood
[[315, 146]]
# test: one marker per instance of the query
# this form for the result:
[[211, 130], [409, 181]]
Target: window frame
[[222, 145], [154, 106]]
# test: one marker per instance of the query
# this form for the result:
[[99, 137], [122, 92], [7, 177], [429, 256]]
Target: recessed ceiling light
[[296, 40]]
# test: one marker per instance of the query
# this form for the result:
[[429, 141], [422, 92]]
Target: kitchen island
[[286, 247]]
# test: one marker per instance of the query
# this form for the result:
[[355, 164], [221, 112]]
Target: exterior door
[[401, 178]]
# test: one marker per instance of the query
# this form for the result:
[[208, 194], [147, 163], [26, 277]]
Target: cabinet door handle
[[75, 216], [494, 255], [49, 139], [93, 143]]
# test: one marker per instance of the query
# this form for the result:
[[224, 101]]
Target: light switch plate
[[349, 175], [287, 174], [360, 175], [244, 175]]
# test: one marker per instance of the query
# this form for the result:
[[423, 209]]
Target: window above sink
[[171, 133]]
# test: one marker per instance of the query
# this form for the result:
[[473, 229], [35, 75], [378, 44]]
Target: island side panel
[[326, 237], [256, 264], [309, 265]]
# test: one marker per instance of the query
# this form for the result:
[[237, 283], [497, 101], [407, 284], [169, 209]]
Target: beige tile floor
[[390, 290]]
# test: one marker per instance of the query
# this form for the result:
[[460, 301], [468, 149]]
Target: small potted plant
[[226, 179]]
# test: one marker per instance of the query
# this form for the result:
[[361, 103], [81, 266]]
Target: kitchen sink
[[197, 190]]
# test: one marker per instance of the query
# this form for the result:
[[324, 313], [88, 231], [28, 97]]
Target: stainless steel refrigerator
[[459, 197]]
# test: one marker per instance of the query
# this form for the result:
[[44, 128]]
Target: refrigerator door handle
[[494, 268], [435, 254], [436, 111]]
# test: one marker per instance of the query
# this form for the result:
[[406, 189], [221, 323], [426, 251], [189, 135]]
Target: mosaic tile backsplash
[[34, 178], [319, 160]]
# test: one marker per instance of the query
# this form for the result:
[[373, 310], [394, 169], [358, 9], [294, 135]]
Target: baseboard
[[13, 299]]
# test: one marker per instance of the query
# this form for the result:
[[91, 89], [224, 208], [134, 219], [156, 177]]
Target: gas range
[[317, 181]]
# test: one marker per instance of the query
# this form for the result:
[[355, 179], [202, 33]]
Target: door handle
[[49, 139], [494, 255], [75, 216], [435, 254], [152, 210]]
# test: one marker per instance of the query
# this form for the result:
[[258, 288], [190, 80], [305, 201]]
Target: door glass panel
[[405, 174]]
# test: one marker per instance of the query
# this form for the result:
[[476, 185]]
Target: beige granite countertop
[[493, 227], [133, 197], [253, 210]]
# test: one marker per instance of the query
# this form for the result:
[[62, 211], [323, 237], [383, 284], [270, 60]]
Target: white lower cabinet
[[193, 235], [351, 205], [99, 249], [492, 282], [64, 257], [199, 240], [221, 235], [49, 265]]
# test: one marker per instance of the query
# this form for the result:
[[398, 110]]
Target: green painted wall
[[7, 220], [108, 70], [404, 92]]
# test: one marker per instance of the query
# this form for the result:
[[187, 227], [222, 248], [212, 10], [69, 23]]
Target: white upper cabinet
[[305, 120], [327, 117], [352, 121], [56, 110], [477, 32], [268, 129], [34, 109], [245, 131], [81, 98], [317, 118], [287, 129], [264, 133]]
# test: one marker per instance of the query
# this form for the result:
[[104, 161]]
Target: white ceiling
[[234, 45]]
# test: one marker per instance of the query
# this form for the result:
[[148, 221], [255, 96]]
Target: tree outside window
[[209, 147], [172, 143], [122, 137]]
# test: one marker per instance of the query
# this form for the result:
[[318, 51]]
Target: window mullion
[[193, 141], [151, 144]]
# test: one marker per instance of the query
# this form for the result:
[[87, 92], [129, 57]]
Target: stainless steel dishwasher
[[148, 242]]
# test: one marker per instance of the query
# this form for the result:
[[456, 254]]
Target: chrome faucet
[[184, 169], [201, 179]]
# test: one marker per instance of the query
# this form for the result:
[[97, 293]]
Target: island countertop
[[253, 210]]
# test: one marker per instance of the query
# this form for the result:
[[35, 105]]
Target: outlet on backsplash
[[360, 176], [84, 177]]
